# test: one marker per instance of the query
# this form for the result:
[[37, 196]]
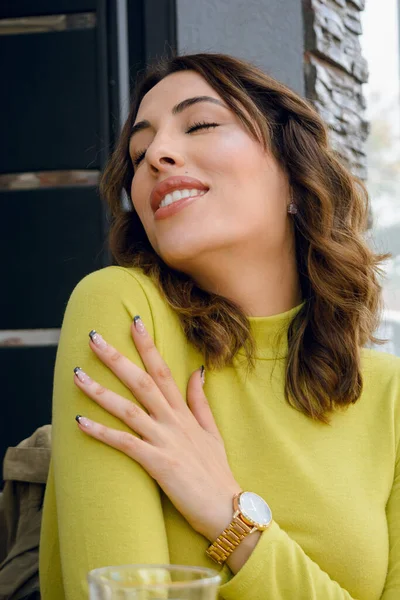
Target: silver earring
[[292, 208]]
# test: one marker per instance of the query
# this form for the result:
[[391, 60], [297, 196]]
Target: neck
[[262, 288]]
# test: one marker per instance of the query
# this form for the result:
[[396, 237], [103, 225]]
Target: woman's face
[[244, 207]]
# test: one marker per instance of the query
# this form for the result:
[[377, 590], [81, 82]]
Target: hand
[[179, 444]]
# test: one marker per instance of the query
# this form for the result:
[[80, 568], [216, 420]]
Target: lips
[[173, 183]]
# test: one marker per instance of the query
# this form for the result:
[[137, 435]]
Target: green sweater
[[334, 490]]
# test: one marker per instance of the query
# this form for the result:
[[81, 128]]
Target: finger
[[127, 411], [136, 380], [199, 405], [155, 364], [125, 442]]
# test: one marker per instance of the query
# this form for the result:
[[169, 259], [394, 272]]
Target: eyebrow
[[178, 108]]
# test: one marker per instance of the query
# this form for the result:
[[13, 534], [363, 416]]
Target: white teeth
[[179, 194], [176, 195]]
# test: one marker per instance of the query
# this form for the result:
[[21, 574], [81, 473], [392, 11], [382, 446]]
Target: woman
[[244, 252]]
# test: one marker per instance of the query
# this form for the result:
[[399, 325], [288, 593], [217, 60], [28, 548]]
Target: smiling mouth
[[177, 195], [165, 212]]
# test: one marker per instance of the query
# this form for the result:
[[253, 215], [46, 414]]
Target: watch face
[[255, 509]]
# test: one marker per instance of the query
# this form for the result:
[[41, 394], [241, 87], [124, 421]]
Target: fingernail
[[139, 326], [82, 376], [202, 375], [83, 421], [97, 339]]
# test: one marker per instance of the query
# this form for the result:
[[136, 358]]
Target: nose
[[162, 154]]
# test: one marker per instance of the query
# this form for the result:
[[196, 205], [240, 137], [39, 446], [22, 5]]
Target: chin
[[177, 255], [178, 260]]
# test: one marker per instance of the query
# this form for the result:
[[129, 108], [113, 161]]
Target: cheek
[[135, 194], [252, 185], [227, 153], [140, 198], [141, 204], [238, 163]]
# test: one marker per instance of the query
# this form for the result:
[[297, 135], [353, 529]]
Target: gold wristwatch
[[250, 513]]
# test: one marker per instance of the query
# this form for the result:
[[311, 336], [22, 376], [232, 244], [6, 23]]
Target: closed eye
[[202, 125], [140, 154]]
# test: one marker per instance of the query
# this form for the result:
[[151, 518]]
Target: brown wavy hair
[[338, 271]]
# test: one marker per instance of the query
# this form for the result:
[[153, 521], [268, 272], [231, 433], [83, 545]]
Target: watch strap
[[229, 540]]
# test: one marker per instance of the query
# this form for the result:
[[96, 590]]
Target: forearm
[[275, 566], [272, 565]]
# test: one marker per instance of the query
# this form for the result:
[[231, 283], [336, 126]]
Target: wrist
[[221, 512], [251, 515]]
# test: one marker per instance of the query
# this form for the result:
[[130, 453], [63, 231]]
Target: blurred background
[[67, 68], [381, 47]]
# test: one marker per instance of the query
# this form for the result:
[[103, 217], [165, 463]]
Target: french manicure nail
[[202, 375], [83, 421], [82, 376], [140, 328], [97, 339]]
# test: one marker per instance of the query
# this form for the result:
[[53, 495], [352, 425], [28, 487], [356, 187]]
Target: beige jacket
[[25, 470]]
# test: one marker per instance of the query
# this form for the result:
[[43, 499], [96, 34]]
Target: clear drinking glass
[[153, 582]]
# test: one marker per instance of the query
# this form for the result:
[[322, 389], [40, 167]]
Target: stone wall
[[334, 74]]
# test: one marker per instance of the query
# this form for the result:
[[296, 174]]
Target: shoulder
[[108, 299], [381, 381], [115, 280], [112, 296], [379, 364]]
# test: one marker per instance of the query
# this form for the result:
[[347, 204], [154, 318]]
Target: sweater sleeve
[[279, 569], [108, 508]]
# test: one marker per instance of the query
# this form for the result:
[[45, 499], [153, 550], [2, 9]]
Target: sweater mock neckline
[[270, 334]]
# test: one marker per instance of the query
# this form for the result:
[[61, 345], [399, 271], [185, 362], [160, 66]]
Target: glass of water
[[153, 582]]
